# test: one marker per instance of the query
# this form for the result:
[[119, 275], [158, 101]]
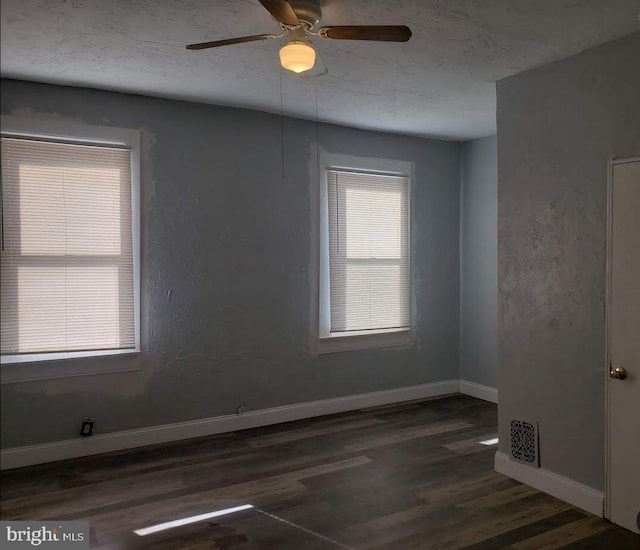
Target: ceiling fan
[[298, 19]]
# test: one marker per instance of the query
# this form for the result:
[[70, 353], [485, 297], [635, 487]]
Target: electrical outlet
[[87, 427]]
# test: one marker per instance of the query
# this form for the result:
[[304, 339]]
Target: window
[[367, 236], [69, 273]]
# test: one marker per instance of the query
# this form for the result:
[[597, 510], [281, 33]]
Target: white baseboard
[[561, 487], [478, 390], [73, 448]]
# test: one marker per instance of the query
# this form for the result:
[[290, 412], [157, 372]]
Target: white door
[[623, 464]]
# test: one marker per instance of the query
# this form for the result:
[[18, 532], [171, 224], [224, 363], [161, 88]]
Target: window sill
[[363, 340], [47, 366]]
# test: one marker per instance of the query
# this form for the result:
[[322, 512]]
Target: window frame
[[328, 342], [80, 134]]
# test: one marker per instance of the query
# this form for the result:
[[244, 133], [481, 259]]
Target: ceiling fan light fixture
[[297, 56]]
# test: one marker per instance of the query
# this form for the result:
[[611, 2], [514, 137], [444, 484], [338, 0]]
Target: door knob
[[619, 373]]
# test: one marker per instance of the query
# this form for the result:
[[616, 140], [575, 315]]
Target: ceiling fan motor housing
[[308, 11]]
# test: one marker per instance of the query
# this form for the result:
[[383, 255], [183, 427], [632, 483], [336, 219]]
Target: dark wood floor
[[403, 477]]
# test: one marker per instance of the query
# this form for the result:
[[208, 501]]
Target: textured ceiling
[[440, 83]]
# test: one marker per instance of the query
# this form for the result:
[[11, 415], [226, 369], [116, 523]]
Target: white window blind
[[67, 256], [368, 251]]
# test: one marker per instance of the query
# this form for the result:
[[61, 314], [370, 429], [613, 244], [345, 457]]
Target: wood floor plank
[[408, 434], [464, 527], [613, 538], [561, 536], [396, 477], [470, 446], [308, 432], [499, 498], [527, 531]]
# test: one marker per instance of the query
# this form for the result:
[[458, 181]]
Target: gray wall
[[479, 262], [226, 274], [557, 128]]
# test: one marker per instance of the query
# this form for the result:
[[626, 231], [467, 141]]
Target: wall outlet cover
[[87, 427]]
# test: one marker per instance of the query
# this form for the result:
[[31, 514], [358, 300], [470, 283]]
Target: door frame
[[607, 426]]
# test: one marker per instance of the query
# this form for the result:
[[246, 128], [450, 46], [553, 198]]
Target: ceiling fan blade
[[281, 11], [385, 33], [240, 40]]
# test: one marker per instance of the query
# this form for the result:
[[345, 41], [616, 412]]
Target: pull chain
[[281, 126]]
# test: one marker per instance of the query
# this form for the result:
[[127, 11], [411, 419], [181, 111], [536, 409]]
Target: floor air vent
[[524, 442]]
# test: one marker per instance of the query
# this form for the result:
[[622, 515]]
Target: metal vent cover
[[524, 442]]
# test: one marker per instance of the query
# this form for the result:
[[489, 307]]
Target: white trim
[[15, 373], [624, 160], [607, 344], [134, 141], [576, 494], [478, 390], [607, 305], [394, 338], [85, 446], [43, 366], [328, 342], [56, 356], [31, 126]]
